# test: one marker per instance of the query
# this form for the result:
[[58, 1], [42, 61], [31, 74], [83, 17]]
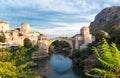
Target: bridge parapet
[[61, 38]]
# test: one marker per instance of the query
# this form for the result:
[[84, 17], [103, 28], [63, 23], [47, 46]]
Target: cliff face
[[106, 19]]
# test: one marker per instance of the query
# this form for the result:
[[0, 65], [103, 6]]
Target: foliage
[[27, 43], [51, 48], [15, 64], [76, 53], [115, 34], [2, 39], [83, 54], [100, 35], [5, 56], [109, 57], [61, 44]]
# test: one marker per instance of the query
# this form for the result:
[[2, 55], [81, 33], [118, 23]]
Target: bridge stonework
[[45, 44], [79, 41]]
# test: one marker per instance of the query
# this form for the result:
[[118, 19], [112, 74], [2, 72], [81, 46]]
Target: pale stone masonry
[[79, 41], [25, 28], [4, 27], [83, 39], [16, 36]]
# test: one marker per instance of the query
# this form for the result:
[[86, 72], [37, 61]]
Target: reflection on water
[[58, 66], [60, 63]]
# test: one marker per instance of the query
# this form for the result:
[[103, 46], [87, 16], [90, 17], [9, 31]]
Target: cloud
[[68, 29], [106, 5], [53, 17], [68, 6], [113, 1]]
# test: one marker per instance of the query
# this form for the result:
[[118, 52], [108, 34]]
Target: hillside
[[106, 19]]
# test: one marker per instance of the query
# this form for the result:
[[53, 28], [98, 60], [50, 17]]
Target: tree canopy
[[115, 34], [2, 39], [27, 43], [15, 64], [100, 35]]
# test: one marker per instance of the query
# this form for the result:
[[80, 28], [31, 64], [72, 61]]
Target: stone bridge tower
[[25, 28], [79, 41], [87, 37]]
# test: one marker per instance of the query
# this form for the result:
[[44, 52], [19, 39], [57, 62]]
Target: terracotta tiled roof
[[2, 22]]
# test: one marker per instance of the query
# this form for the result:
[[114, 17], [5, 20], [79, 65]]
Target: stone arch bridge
[[44, 44]]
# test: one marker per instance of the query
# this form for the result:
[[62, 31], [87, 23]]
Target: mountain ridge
[[106, 19]]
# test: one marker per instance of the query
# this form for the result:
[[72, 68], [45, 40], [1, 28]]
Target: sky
[[53, 17]]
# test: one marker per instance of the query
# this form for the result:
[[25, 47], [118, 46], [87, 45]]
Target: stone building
[[16, 36], [42, 37], [86, 35], [83, 39], [25, 28], [4, 27]]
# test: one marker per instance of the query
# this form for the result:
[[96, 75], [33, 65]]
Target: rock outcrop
[[106, 19], [90, 62]]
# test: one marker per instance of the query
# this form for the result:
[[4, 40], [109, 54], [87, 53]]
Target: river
[[58, 65]]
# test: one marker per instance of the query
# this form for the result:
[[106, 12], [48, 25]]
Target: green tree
[[100, 35], [5, 56], [115, 34], [2, 39], [61, 44], [27, 43], [15, 64], [76, 53], [109, 57], [83, 54], [51, 48]]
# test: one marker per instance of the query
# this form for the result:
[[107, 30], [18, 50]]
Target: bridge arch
[[69, 41]]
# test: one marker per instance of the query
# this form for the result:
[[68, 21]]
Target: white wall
[[4, 27]]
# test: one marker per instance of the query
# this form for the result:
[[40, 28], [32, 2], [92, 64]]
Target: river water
[[58, 65]]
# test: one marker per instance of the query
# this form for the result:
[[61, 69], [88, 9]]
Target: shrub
[[83, 54], [2, 39], [115, 34], [100, 34], [15, 64], [109, 57], [27, 43]]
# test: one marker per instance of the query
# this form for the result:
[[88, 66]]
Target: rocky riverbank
[[90, 62], [39, 55], [87, 63]]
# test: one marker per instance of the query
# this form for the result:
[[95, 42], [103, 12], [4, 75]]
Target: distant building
[[25, 28], [83, 39], [16, 36], [4, 45], [4, 27], [42, 37]]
